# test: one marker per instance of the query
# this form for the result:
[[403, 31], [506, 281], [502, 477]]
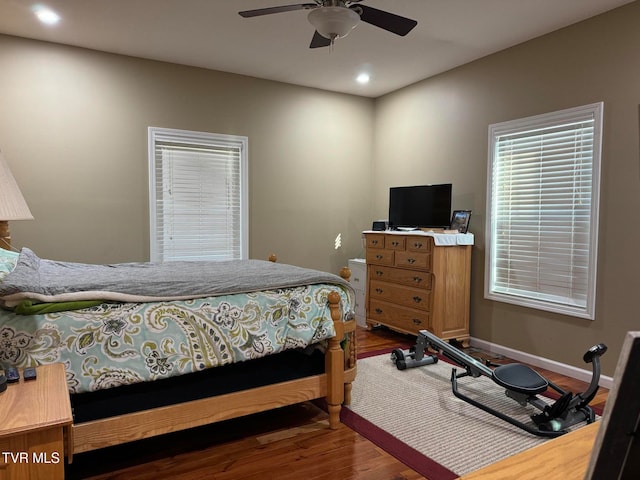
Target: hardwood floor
[[289, 443]]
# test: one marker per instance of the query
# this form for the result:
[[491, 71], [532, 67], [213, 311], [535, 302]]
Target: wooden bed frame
[[334, 385]]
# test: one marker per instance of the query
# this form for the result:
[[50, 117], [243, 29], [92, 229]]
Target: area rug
[[414, 416]]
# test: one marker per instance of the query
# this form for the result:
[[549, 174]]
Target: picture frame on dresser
[[460, 220]]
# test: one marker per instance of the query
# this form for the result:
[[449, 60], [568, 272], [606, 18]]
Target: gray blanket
[[52, 281]]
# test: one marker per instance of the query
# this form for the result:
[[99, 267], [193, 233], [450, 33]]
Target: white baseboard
[[552, 365]]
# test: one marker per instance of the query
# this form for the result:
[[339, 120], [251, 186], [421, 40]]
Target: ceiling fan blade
[[387, 21], [280, 9], [319, 41]]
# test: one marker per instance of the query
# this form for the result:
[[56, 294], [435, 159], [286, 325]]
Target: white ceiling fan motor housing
[[333, 22]]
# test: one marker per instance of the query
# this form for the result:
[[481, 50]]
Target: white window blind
[[543, 196], [198, 195]]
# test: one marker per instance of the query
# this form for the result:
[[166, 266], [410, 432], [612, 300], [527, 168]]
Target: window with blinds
[[198, 195], [542, 224]]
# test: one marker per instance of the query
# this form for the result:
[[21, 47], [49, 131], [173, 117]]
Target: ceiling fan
[[334, 19]]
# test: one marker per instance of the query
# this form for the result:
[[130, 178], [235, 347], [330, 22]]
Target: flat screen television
[[420, 206]]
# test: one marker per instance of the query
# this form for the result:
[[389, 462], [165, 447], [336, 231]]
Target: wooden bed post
[[340, 359], [334, 364], [350, 347]]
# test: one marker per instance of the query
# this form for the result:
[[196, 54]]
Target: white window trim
[[158, 133], [539, 121]]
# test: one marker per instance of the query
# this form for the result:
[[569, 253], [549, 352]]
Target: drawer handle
[[417, 279], [417, 321], [417, 299], [411, 260], [379, 273], [378, 311], [378, 257], [395, 243], [379, 291], [417, 245], [374, 242]]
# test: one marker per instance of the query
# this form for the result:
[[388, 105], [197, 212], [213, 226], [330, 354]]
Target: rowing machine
[[521, 383]]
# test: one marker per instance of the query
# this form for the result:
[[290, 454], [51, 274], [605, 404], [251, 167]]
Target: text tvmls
[[35, 457]]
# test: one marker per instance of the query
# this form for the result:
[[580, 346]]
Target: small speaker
[[379, 226]]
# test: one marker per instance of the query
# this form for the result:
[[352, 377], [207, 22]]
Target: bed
[[156, 348]]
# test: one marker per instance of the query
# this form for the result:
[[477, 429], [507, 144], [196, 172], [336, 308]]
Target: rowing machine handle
[[595, 351]]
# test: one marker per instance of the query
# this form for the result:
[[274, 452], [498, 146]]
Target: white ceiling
[[211, 34]]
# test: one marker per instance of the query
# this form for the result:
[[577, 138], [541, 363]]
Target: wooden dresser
[[414, 284]]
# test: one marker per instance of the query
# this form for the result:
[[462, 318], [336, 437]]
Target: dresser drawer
[[419, 244], [406, 319], [374, 240], [399, 275], [395, 242], [418, 260], [401, 295], [380, 257]]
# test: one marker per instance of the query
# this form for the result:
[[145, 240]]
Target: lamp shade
[[333, 22], [12, 203]]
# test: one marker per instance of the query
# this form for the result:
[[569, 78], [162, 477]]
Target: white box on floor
[[358, 280]]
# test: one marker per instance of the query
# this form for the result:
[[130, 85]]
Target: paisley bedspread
[[115, 344]]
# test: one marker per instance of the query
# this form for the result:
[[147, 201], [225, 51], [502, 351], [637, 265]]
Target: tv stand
[[415, 282]]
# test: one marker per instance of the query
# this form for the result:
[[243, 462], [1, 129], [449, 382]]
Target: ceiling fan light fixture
[[333, 22]]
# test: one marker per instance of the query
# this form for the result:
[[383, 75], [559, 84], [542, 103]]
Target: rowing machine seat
[[519, 378]]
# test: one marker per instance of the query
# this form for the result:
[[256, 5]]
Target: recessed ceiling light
[[46, 15], [363, 78]]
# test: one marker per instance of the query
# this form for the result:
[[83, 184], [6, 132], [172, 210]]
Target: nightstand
[[33, 419]]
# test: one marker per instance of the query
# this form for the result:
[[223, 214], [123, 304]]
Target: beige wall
[[73, 127], [437, 131]]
